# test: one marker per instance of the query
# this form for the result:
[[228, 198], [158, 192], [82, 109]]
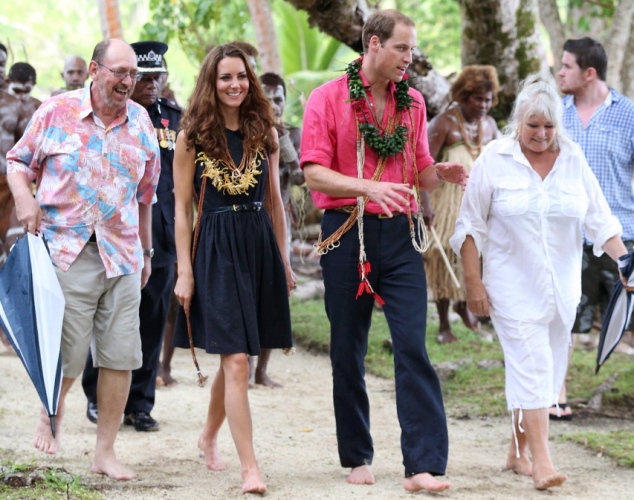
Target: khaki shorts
[[100, 312]]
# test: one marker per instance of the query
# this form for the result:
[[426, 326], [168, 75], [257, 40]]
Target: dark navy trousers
[[155, 301], [398, 276]]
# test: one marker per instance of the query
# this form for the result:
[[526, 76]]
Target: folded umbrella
[[31, 314], [618, 312]]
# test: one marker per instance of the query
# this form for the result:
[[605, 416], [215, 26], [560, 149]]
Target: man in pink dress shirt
[[94, 156], [372, 102]]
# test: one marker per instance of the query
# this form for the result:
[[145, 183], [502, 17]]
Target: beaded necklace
[[474, 147]]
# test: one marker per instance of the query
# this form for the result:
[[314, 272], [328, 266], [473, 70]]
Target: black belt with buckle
[[256, 206]]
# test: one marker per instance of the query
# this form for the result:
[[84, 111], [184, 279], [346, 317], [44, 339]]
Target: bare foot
[[468, 318], [213, 460], [361, 475], [425, 482], [556, 479], [164, 377], [252, 482], [262, 378], [108, 465], [43, 439], [446, 337], [522, 465]]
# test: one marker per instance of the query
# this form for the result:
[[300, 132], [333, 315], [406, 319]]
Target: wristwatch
[[148, 252]]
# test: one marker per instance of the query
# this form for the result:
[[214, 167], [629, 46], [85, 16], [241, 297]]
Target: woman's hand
[[184, 291], [291, 278], [478, 299]]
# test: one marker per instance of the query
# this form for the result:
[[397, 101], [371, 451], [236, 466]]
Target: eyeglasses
[[121, 75]]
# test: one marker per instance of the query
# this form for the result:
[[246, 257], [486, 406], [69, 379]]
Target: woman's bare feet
[[252, 481], [108, 465], [213, 460], [361, 475], [522, 465], [555, 479], [43, 439], [425, 482]]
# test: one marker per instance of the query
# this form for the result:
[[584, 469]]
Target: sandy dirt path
[[294, 440]]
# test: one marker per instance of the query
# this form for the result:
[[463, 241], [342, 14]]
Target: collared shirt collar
[[86, 107]]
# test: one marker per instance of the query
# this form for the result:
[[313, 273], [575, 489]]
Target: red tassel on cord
[[364, 286]]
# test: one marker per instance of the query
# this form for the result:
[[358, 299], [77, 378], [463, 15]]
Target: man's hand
[[453, 172], [389, 196], [28, 212], [146, 271]]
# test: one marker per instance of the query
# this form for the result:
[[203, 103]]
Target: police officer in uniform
[[155, 297]]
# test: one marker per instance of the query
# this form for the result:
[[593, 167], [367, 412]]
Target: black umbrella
[[617, 314], [31, 313]]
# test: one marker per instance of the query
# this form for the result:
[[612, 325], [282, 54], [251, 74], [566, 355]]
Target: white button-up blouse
[[529, 231]]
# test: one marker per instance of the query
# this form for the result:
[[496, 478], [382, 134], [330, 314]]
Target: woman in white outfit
[[530, 196]]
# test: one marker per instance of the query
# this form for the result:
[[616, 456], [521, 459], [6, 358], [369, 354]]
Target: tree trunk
[[110, 19], [616, 42], [628, 66], [263, 26], [549, 14], [504, 34]]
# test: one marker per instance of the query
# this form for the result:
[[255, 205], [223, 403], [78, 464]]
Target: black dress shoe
[[91, 412], [141, 421]]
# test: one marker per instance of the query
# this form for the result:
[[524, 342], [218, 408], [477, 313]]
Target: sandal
[[563, 414]]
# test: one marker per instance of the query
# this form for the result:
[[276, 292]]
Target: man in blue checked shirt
[[601, 121]]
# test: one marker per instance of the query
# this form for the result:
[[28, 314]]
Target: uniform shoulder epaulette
[[169, 104]]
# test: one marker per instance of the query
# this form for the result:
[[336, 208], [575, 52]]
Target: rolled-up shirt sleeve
[[318, 134], [599, 224]]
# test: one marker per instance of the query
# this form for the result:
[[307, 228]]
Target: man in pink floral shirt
[[94, 156]]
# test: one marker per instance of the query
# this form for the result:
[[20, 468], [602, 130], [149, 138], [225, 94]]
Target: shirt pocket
[[511, 197], [573, 199]]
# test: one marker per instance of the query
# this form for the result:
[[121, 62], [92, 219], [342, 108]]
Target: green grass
[[616, 444], [470, 390], [55, 483]]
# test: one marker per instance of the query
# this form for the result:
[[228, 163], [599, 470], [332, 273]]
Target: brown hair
[[203, 121], [381, 24], [476, 78]]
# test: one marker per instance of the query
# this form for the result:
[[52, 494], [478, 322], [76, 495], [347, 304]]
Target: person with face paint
[[96, 183], [75, 74], [13, 121], [457, 134], [20, 82]]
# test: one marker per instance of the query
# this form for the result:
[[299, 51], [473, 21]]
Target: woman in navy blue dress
[[235, 289]]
